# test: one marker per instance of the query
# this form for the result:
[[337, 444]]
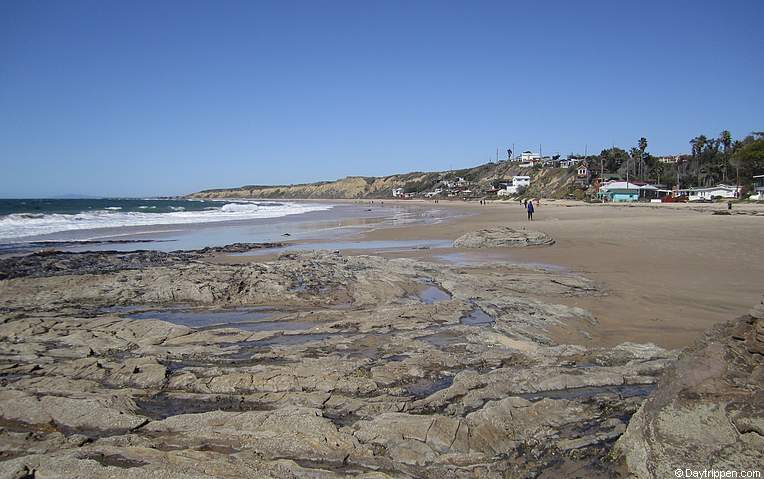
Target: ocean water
[[22, 219]]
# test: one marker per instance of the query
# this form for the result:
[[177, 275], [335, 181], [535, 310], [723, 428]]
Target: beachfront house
[[517, 183], [622, 191], [398, 192], [710, 193], [583, 176], [758, 188]]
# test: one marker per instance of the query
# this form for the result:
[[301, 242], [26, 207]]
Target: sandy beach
[[671, 272]]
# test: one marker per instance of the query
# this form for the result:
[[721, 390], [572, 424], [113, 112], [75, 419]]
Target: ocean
[[23, 220]]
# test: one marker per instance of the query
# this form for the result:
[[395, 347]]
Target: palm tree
[[642, 148], [725, 138], [702, 140], [698, 144]]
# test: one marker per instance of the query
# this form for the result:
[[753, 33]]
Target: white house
[[521, 181], [458, 183], [568, 162], [758, 188], [723, 191], [669, 159], [397, 192], [528, 159], [517, 182], [528, 155]]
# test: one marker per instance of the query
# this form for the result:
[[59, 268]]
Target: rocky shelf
[[367, 376], [502, 237]]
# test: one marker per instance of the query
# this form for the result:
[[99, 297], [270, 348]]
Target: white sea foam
[[16, 226]]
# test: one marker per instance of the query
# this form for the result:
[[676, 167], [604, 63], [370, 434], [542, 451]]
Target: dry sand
[[671, 270]]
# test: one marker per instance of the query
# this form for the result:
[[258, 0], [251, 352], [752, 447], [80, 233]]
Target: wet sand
[[670, 271]]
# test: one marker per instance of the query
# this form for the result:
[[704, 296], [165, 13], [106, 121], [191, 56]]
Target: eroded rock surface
[[502, 237], [342, 366], [708, 409]]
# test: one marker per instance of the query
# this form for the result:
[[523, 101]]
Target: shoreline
[[659, 289], [376, 362], [655, 294]]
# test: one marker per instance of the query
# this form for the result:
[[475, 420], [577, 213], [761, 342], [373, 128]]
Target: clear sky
[[138, 98]]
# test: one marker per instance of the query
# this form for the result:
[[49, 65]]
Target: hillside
[[548, 182]]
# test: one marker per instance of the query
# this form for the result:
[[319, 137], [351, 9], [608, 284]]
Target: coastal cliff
[[548, 182]]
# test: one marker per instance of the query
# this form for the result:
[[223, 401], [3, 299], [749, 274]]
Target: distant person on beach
[[530, 211]]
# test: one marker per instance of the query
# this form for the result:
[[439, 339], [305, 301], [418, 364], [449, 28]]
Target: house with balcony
[[583, 176]]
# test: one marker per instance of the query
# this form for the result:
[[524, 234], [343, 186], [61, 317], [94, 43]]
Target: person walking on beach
[[530, 211]]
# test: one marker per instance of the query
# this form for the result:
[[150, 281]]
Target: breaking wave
[[23, 225]]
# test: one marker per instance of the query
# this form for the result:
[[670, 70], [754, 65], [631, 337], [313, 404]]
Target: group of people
[[528, 205]]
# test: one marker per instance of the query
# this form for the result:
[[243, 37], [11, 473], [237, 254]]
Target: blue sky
[[159, 98]]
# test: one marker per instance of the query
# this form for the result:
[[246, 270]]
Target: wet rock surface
[[372, 374], [707, 411], [51, 262], [502, 237]]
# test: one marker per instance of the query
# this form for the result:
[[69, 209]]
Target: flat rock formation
[[708, 409], [52, 262], [311, 365], [502, 237]]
